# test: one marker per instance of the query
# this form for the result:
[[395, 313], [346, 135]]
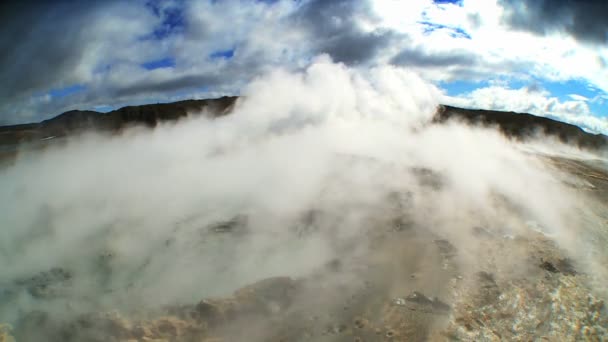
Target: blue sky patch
[[224, 54], [561, 90], [173, 19], [69, 90], [104, 108], [456, 88], [159, 64], [441, 2], [455, 32]]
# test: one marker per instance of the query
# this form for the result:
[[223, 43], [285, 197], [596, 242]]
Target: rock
[[566, 267], [209, 312], [399, 301], [236, 223], [45, 284], [430, 303], [488, 291], [482, 232], [445, 247], [428, 178], [563, 266], [545, 265], [361, 323], [267, 296]]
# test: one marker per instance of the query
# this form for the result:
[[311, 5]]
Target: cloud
[[59, 43], [416, 57], [186, 33], [493, 45], [577, 97], [334, 27], [104, 48], [445, 64], [585, 20], [589, 123], [532, 100], [169, 82], [50, 45]]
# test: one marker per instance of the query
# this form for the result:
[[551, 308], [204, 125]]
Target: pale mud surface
[[408, 283]]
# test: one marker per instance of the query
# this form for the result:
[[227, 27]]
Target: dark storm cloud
[[41, 42], [100, 45], [459, 63], [419, 58], [50, 45], [354, 47], [170, 85], [584, 19], [334, 29]]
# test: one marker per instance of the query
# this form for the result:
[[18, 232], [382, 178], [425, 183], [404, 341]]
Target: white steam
[[129, 215]]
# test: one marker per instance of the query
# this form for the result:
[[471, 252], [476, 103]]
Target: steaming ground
[[332, 206]]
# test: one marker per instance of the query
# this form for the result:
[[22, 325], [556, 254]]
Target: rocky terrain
[[405, 273], [411, 284]]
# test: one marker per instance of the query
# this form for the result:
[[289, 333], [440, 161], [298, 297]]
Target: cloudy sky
[[547, 57]]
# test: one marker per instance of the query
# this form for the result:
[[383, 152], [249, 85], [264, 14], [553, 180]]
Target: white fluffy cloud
[[103, 48], [526, 100], [493, 47]]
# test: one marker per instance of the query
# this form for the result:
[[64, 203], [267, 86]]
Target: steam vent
[[311, 170]]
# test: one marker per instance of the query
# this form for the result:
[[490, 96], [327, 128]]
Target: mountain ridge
[[74, 121], [520, 126]]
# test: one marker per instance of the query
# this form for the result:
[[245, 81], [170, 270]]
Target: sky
[[538, 56]]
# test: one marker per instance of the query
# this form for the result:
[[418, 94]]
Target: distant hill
[[515, 125], [523, 126], [76, 121]]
